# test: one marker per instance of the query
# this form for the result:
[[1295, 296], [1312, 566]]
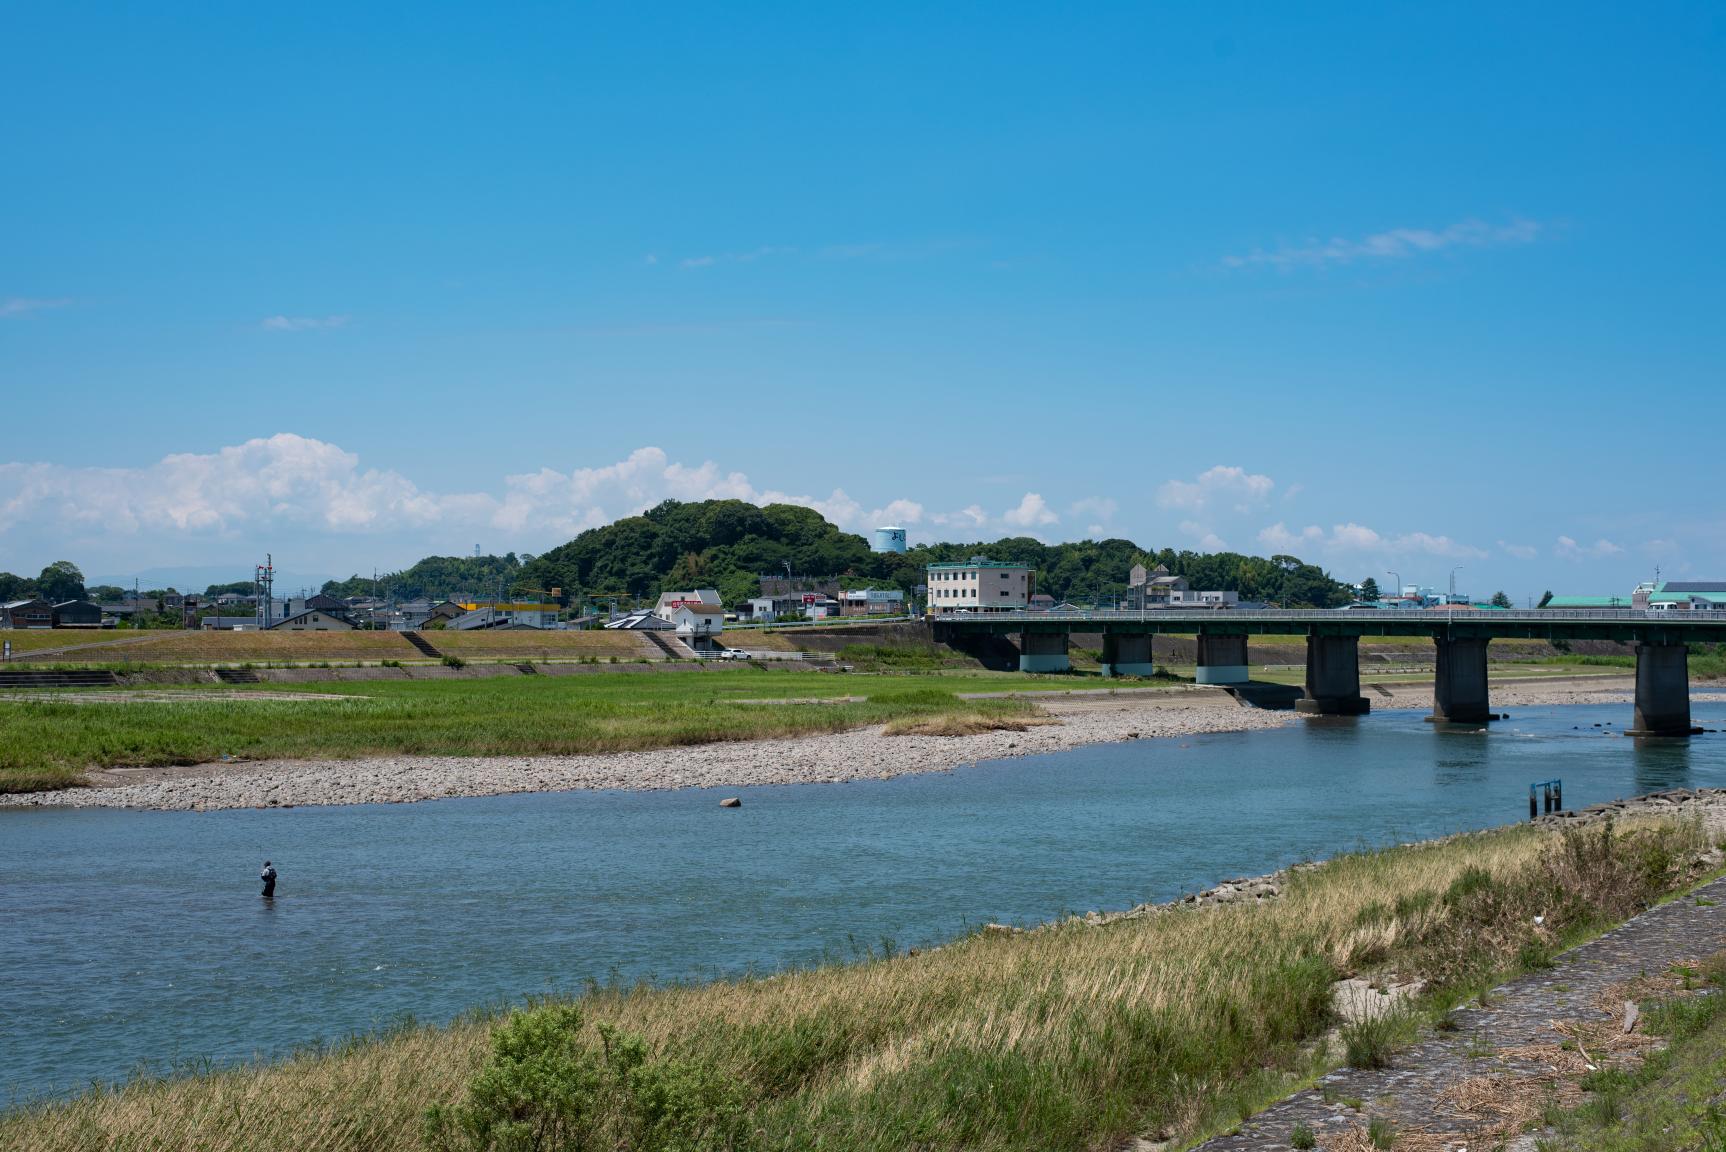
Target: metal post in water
[[1558, 795], [1532, 811]]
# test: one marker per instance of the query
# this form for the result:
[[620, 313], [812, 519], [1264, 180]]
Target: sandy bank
[[1536, 693], [864, 754]]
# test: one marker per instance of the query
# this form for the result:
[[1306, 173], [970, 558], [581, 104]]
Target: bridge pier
[[1662, 690], [1043, 652], [1459, 692], [1222, 659], [1128, 655], [1333, 677]]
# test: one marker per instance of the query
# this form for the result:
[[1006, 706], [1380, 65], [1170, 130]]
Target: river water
[[128, 937]]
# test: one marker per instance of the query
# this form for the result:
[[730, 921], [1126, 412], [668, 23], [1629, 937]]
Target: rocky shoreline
[[864, 754]]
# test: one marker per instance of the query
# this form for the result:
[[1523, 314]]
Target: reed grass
[[1068, 1037]]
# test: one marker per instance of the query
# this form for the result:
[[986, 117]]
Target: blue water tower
[[889, 539]]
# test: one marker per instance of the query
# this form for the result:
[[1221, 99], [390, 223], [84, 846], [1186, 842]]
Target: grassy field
[[47, 743], [1073, 1037], [485, 644], [169, 647]]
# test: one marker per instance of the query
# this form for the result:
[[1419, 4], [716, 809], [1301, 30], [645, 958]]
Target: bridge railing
[[1387, 615]]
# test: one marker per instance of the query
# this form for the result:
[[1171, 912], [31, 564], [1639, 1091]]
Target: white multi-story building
[[979, 585]]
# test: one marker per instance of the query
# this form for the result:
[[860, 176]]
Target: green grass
[[48, 743], [1068, 1038]]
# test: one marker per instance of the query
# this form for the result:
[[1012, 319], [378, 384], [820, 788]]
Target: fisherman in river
[[268, 876]]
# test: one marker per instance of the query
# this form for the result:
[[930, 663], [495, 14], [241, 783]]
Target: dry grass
[[968, 723], [1068, 1037], [34, 640], [486, 644], [187, 647]]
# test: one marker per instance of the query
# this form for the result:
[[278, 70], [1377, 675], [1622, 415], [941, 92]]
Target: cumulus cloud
[[1393, 244], [291, 480], [19, 305], [1568, 549], [1101, 507], [1223, 484], [748, 257], [301, 323], [1352, 537], [1520, 551], [1033, 511]]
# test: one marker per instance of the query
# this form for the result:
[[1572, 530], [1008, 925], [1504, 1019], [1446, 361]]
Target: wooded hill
[[728, 544]]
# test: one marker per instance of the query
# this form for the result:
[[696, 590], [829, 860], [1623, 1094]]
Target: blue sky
[[1387, 286]]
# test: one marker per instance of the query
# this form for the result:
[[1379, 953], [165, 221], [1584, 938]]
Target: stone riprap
[[1484, 1078], [863, 754]]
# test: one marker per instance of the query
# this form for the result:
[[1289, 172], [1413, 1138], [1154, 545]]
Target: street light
[[1453, 573], [1396, 592]]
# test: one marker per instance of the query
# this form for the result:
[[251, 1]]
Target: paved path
[[1500, 1061]]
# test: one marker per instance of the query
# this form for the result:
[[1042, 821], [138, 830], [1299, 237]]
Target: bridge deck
[[1623, 625]]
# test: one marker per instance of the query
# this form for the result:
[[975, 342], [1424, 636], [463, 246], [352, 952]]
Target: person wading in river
[[268, 876]]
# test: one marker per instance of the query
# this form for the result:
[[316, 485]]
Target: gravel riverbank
[[865, 754]]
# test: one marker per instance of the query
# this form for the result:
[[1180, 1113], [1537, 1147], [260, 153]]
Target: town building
[[229, 623], [312, 620], [1153, 587], [979, 585], [77, 614], [695, 613], [642, 620], [477, 614], [871, 602], [27, 614], [1688, 596]]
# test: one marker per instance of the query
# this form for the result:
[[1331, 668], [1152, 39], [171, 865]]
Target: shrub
[[1302, 1137], [1370, 1043], [545, 1089], [454, 662]]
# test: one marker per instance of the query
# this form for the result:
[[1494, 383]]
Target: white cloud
[[292, 480], [1352, 537], [1221, 484], [1568, 549], [749, 257], [1032, 512], [1396, 243], [19, 305], [302, 323], [1355, 537], [1101, 507], [1205, 539], [1279, 539], [1520, 551]]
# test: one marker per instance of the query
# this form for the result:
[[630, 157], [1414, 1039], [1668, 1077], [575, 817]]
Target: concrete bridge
[[1333, 642]]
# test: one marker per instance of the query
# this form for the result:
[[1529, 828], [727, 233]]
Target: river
[[134, 937]]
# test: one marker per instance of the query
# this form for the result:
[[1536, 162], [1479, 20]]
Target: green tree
[[16, 587], [1369, 590], [1500, 600], [1546, 598], [59, 581]]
